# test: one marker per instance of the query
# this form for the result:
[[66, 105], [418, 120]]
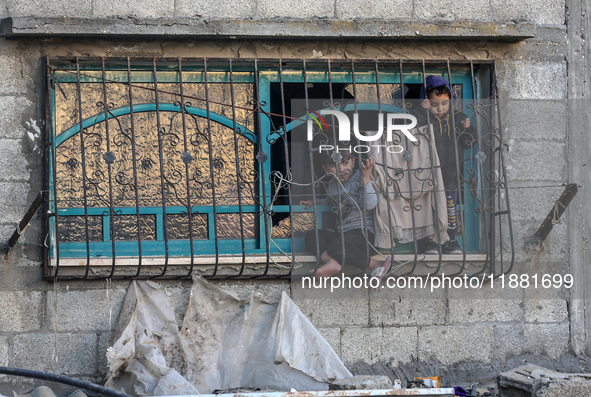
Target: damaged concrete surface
[[534, 381], [16, 27]]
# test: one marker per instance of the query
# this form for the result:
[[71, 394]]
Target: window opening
[[173, 167]]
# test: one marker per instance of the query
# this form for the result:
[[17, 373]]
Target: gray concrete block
[[487, 304], [450, 345], [12, 160], [545, 305], [543, 12], [492, 310], [532, 200], [377, 344], [342, 307], [270, 291], [296, 9], [213, 9], [13, 201], [20, 311], [54, 8], [361, 345], [536, 161], [75, 353], [392, 9], [407, 307], [14, 77], [179, 295], [362, 382], [6, 232], [399, 345], [534, 80], [545, 310], [574, 387], [90, 310], [105, 340], [530, 119], [4, 352], [450, 10], [538, 258], [538, 339], [144, 9], [12, 109], [333, 337]]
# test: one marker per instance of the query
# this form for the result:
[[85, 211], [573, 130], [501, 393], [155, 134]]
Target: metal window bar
[[189, 166]]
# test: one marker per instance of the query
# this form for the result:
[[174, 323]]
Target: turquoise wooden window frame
[[257, 245]]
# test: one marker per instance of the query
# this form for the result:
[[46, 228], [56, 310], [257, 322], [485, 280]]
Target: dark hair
[[440, 90]]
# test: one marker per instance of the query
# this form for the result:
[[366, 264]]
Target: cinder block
[[296, 9], [144, 9], [545, 310], [454, 344], [75, 353], [12, 160], [362, 382], [450, 10], [567, 388], [105, 340], [20, 311], [539, 339], [179, 295], [531, 119], [407, 307], [399, 345], [270, 291], [541, 258], [476, 310], [488, 303], [4, 357], [534, 80], [12, 109], [543, 12], [544, 305], [13, 201], [361, 345], [377, 344], [532, 200], [342, 307], [333, 337], [6, 232], [90, 310], [54, 8], [536, 161], [351, 9], [14, 78], [239, 9]]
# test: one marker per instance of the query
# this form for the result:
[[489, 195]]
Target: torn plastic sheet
[[147, 358], [225, 342]]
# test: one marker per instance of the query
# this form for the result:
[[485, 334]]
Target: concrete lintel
[[15, 27]]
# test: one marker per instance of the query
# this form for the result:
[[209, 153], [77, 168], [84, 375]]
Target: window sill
[[231, 266]]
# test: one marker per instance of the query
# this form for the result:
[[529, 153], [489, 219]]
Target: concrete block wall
[[546, 12], [66, 328]]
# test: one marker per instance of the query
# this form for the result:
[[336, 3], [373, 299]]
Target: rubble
[[534, 381], [362, 382]]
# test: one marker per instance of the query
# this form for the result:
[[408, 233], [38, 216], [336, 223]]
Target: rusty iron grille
[[169, 168]]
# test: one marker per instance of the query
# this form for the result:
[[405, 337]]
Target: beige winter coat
[[409, 185]]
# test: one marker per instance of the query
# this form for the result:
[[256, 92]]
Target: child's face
[[439, 104], [346, 166]]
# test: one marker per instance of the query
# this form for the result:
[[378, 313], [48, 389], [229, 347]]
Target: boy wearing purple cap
[[437, 98]]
